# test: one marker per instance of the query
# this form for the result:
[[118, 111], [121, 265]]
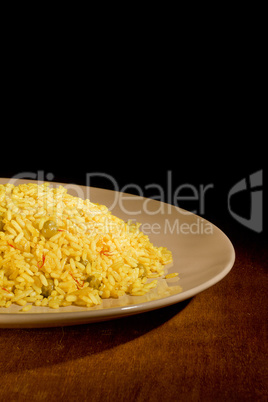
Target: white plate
[[202, 255]]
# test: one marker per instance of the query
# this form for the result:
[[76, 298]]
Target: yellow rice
[[93, 254]]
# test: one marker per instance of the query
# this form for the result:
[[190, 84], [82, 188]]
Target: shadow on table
[[33, 348]]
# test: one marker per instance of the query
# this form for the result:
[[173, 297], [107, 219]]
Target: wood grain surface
[[212, 347]]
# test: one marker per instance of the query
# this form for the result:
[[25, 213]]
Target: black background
[[198, 119]]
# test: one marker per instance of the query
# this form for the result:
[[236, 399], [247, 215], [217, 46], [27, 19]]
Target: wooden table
[[212, 347]]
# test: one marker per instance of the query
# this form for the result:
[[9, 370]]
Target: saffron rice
[[57, 250]]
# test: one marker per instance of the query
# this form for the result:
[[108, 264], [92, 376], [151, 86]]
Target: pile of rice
[[87, 256]]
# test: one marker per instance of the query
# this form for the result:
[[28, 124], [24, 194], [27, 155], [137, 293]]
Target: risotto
[[59, 250]]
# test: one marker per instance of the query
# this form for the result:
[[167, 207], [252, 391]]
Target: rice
[[58, 250]]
